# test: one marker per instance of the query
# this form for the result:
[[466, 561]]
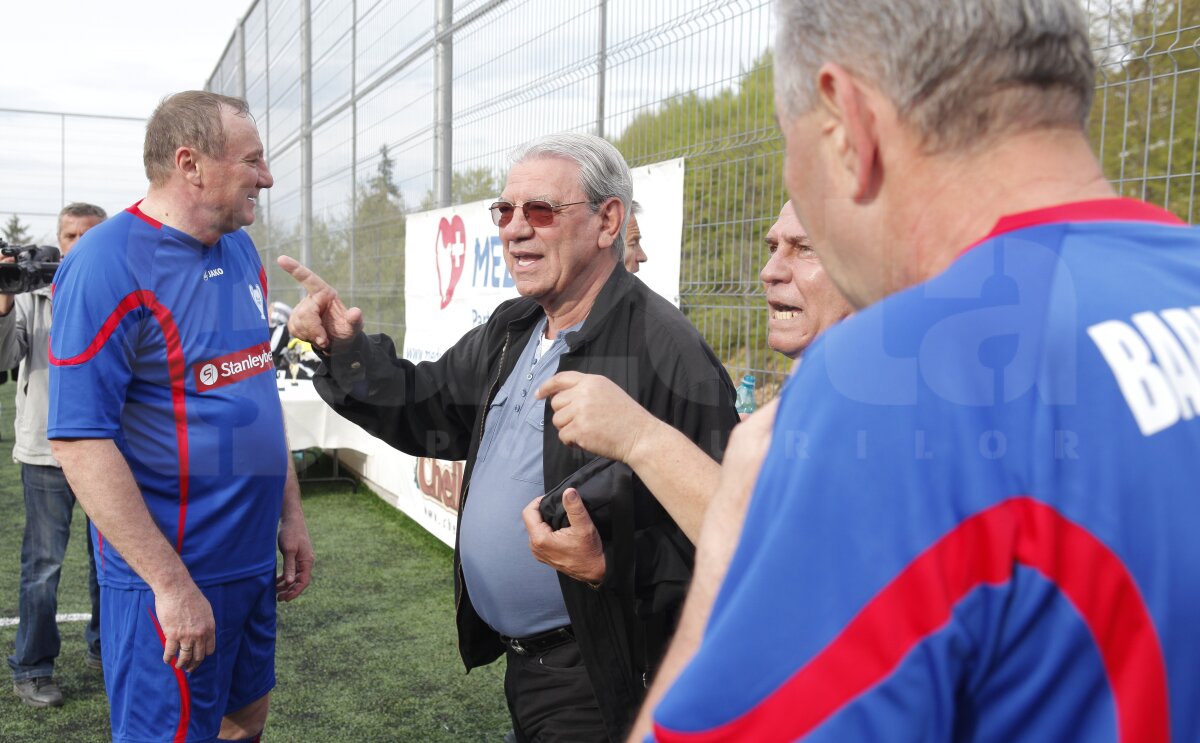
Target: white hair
[[603, 172]]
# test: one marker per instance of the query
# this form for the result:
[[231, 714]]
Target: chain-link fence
[[411, 105], [50, 159], [1146, 119], [371, 109]]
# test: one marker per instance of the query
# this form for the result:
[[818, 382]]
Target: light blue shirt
[[510, 590]]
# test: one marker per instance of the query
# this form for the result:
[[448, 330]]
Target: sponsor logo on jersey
[[212, 273], [257, 295], [233, 367]]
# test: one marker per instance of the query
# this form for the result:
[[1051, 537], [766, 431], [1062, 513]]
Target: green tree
[[1144, 119], [16, 233], [473, 184], [733, 189], [375, 249]]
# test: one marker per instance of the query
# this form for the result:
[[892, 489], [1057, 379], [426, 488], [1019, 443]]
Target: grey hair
[[958, 71], [81, 209], [603, 172], [635, 209], [188, 119]]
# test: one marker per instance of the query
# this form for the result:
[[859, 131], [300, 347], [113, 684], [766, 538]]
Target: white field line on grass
[[14, 621]]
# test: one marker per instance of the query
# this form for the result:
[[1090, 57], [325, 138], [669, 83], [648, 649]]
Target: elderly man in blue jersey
[[166, 419], [976, 517]]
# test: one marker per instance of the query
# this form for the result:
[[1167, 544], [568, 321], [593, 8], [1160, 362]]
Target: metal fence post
[[306, 178], [443, 145], [353, 142], [241, 52], [62, 182], [601, 66]]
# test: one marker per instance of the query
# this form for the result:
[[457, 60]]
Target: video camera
[[34, 268]]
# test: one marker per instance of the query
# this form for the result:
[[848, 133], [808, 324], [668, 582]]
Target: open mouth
[[784, 311], [525, 260]]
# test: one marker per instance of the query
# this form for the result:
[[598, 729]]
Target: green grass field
[[366, 654]]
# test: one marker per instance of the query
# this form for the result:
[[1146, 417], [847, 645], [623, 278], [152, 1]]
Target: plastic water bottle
[[745, 395]]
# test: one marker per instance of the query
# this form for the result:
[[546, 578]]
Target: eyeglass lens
[[537, 213]]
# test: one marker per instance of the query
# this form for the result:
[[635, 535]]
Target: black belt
[[538, 644]]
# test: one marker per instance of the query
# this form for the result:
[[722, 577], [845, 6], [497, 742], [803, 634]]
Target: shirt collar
[[1097, 210]]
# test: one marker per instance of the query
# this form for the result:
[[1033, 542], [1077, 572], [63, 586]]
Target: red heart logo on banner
[[450, 253]]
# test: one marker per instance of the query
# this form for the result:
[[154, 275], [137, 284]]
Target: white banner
[[454, 276]]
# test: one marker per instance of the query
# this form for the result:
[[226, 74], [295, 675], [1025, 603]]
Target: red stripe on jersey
[[262, 280], [181, 680], [1099, 210], [175, 366], [982, 550], [136, 211]]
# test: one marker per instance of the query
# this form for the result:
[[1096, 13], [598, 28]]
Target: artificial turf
[[366, 654]]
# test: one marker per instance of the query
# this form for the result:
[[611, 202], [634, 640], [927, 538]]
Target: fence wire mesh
[[348, 95], [50, 159]]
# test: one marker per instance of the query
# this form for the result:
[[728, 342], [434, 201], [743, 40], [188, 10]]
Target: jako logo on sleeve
[[233, 367]]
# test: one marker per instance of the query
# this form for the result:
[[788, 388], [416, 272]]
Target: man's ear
[[612, 216], [853, 122], [187, 162]]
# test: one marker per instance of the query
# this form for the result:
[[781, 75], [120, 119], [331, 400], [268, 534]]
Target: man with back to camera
[[975, 520], [592, 413], [579, 643], [634, 255], [49, 502], [165, 416]]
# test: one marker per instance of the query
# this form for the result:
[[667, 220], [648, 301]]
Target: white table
[[393, 475], [311, 423]]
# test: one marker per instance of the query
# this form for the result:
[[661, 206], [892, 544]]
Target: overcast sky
[[116, 57]]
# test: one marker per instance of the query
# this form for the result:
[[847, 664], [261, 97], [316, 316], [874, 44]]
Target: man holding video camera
[[49, 502]]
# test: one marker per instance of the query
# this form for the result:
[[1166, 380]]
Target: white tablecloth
[[390, 473], [312, 423]]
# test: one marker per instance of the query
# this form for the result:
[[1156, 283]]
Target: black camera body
[[35, 267]]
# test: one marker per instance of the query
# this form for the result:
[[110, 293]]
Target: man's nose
[[774, 271], [517, 228]]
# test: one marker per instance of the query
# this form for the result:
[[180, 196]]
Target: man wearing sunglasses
[[583, 639]]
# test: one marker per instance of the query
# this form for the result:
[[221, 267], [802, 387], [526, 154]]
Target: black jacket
[[437, 409]]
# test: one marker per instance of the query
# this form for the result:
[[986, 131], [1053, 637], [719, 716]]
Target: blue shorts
[[150, 701]]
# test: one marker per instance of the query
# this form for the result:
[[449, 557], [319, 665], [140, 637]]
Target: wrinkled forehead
[[787, 227]]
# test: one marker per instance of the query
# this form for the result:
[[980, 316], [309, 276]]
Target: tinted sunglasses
[[537, 213]]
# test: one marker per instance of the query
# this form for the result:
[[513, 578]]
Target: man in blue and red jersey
[[975, 520], [166, 419]]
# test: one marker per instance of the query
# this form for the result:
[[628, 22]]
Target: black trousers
[[550, 698]]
